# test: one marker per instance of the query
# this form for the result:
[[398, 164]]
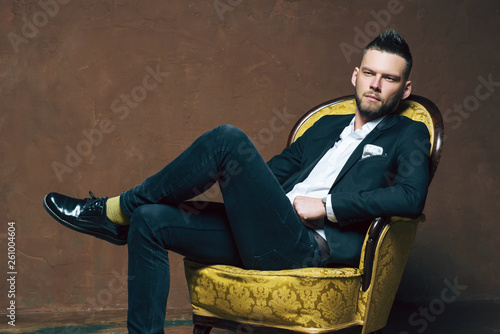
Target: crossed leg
[[256, 227]]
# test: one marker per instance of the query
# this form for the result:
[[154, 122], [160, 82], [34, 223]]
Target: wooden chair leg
[[200, 329]]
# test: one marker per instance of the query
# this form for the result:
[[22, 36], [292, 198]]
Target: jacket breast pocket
[[374, 159]]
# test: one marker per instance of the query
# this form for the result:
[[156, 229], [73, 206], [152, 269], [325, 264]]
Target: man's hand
[[311, 211]]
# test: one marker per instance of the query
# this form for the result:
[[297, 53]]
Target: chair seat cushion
[[312, 298]]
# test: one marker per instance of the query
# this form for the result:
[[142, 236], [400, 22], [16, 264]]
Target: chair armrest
[[376, 228], [372, 240]]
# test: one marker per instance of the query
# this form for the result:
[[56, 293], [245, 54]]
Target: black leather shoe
[[86, 216]]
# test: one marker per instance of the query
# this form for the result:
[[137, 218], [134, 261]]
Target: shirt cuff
[[329, 209]]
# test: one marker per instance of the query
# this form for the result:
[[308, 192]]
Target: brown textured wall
[[81, 71]]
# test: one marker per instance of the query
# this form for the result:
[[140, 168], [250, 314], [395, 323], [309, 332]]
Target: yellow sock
[[114, 211]]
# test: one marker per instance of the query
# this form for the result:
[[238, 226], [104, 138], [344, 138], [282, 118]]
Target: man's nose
[[375, 83]]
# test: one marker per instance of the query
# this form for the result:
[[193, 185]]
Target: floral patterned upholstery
[[312, 300], [292, 299]]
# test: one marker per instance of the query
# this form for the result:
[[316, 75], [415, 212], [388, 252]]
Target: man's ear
[[407, 90], [354, 76]]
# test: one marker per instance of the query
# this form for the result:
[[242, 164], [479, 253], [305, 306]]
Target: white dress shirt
[[321, 178]]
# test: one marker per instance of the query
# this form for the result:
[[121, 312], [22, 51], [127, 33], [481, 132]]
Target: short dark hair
[[390, 41]]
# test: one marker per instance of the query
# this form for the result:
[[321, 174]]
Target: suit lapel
[[385, 124]]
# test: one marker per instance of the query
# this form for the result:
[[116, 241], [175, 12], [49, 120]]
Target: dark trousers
[[256, 227]]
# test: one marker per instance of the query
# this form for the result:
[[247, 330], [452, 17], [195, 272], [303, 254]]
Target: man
[[308, 206]]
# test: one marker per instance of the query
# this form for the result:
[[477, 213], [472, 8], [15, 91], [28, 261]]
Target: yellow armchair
[[316, 300]]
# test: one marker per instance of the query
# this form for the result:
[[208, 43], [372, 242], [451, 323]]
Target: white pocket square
[[371, 150]]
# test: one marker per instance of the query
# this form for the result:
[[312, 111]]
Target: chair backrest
[[416, 107]]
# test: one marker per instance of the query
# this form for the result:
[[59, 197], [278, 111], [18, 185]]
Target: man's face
[[380, 84]]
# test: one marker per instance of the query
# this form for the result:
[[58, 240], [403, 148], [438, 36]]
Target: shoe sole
[[81, 230]]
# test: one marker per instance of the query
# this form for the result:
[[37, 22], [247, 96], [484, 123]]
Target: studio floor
[[429, 318]]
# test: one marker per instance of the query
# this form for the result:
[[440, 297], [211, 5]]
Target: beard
[[372, 111]]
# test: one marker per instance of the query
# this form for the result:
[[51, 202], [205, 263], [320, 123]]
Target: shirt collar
[[369, 126], [365, 130]]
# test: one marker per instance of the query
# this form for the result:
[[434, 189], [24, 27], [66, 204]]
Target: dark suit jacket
[[394, 183]]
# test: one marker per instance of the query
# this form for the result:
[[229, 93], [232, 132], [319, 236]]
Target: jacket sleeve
[[402, 192], [290, 160]]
